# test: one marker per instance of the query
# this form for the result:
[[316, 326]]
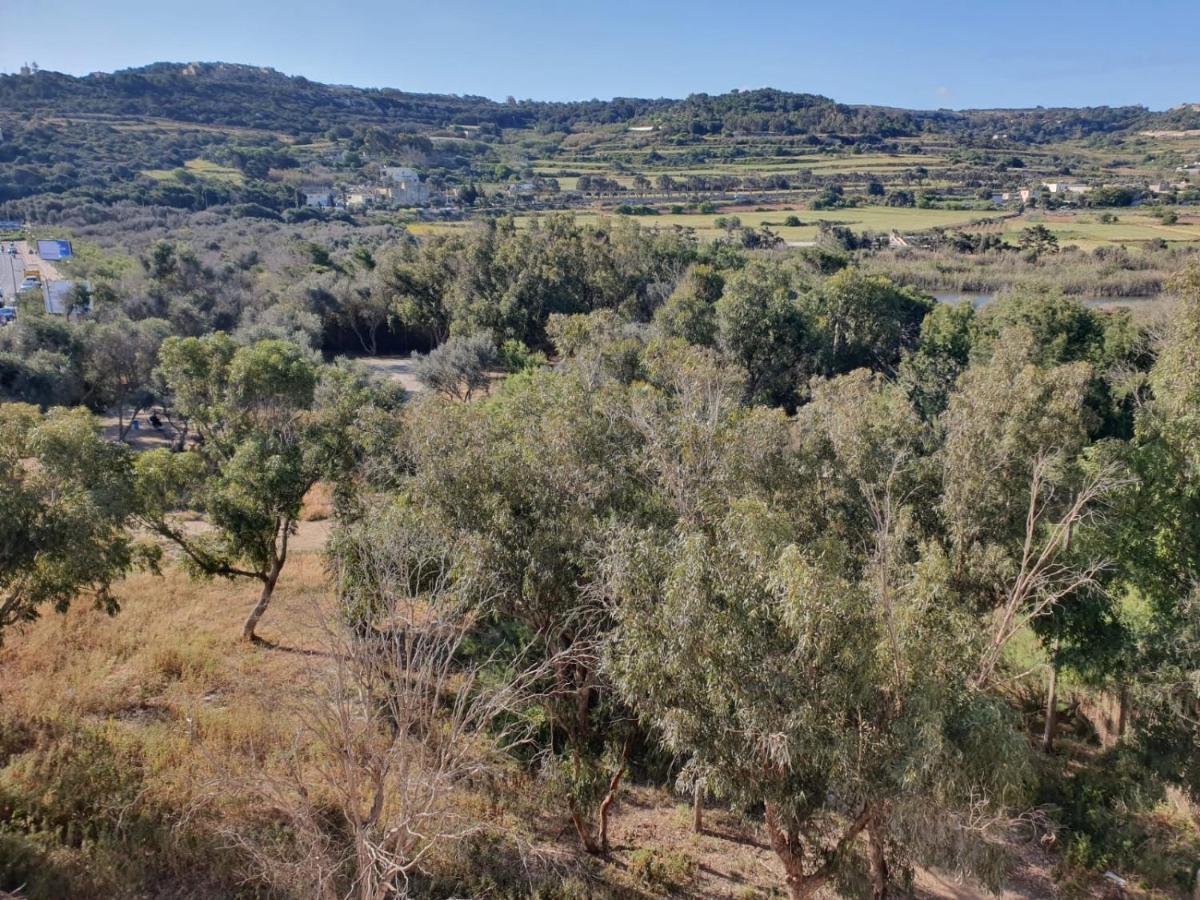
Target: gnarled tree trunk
[[1051, 705], [789, 847], [880, 876], [268, 589]]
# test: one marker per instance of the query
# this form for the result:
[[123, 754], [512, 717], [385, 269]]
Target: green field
[[869, 218], [817, 163], [201, 167], [1085, 231]]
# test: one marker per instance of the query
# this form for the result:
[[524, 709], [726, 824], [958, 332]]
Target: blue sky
[[910, 53]]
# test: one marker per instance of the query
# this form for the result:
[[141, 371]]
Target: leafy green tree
[[1038, 240], [66, 504], [1157, 542], [762, 328], [836, 687], [417, 282], [690, 311], [262, 441], [119, 362], [1023, 495], [525, 480], [364, 306], [929, 373], [1064, 330], [864, 321]]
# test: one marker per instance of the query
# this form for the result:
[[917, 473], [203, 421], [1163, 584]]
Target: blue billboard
[[54, 249]]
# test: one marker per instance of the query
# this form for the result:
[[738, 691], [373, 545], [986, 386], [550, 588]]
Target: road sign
[[57, 295], [54, 249]]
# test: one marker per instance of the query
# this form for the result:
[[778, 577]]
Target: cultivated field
[[1086, 230]]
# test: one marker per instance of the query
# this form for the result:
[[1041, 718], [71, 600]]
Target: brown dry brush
[[393, 734]]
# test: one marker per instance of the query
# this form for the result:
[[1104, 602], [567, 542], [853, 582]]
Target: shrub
[[662, 870]]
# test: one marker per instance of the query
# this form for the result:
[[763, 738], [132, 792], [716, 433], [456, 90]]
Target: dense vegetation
[[882, 586], [253, 97]]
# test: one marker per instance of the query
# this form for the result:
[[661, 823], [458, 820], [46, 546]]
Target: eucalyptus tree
[[763, 329], [689, 312], [864, 321], [264, 435], [795, 629], [1157, 540], [527, 480], [66, 506], [1022, 489]]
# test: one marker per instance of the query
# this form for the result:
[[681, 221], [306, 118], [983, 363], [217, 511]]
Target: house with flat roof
[[317, 196], [406, 185], [1065, 187]]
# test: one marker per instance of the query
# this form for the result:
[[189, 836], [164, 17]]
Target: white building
[[1063, 187], [407, 188], [317, 196], [369, 196]]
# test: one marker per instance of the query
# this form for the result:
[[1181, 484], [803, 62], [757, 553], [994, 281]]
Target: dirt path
[[397, 368]]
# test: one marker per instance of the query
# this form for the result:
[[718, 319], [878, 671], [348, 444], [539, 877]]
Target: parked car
[[7, 314]]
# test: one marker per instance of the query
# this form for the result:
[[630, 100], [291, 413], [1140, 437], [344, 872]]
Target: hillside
[[255, 97]]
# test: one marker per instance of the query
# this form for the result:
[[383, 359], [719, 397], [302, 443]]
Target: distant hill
[[232, 95]]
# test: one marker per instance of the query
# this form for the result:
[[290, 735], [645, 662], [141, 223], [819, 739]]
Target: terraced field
[[1086, 231], [870, 218]]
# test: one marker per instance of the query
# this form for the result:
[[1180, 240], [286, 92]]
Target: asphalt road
[[12, 269], [10, 275]]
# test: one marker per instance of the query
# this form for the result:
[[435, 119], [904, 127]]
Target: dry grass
[[165, 695], [318, 504], [186, 709]]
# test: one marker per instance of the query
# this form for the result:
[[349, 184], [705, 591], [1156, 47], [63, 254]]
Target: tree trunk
[[880, 877], [264, 600], [698, 807], [1051, 708], [1123, 713], [583, 698], [613, 784], [787, 847], [584, 832]]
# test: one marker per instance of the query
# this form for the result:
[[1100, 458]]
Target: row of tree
[[787, 525]]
